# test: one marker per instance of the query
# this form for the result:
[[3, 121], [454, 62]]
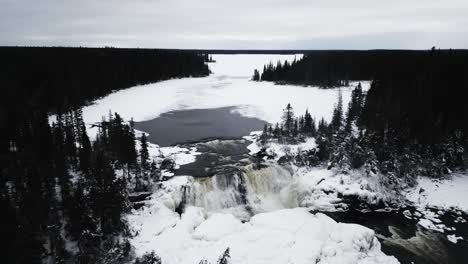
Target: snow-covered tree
[[288, 119], [225, 258], [337, 118]]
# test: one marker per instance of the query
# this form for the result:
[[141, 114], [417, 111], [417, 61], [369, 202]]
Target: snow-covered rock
[[444, 193], [278, 150], [282, 236]]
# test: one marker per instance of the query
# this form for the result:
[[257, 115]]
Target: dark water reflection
[[186, 126]]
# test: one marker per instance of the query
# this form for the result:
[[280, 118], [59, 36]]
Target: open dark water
[[399, 236], [194, 125], [406, 240]]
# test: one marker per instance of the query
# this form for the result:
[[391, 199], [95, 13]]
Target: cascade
[[258, 190]]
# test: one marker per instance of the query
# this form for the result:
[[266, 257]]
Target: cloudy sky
[[236, 24]]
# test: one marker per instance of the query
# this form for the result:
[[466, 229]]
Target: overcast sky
[[236, 24]]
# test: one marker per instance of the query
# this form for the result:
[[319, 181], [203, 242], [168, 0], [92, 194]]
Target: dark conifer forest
[[419, 95], [64, 196], [61, 199], [54, 78]]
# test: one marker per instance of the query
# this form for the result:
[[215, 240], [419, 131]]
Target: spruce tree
[[144, 155], [264, 137], [256, 76], [85, 150], [225, 257], [288, 119], [309, 127], [337, 118]]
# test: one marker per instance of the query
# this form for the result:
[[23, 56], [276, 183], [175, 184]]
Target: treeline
[[63, 196], [420, 94], [294, 129], [59, 78], [348, 143], [335, 68]]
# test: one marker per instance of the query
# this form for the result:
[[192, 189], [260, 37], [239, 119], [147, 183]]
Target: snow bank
[[283, 236], [325, 190], [229, 85], [434, 197], [445, 193], [271, 188], [276, 149], [180, 155], [318, 188]]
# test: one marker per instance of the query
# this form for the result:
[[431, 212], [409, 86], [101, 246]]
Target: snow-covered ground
[[434, 197], [443, 193], [319, 188], [278, 232], [282, 236], [282, 230], [323, 190], [229, 85], [275, 149]]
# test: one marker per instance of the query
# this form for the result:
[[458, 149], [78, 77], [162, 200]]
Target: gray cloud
[[240, 24]]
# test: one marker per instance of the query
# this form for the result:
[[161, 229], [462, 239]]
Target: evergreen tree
[[337, 118], [264, 137], [85, 150], [225, 258], [277, 131], [256, 76], [309, 126], [354, 107], [295, 130], [301, 124], [288, 119], [144, 155], [148, 258]]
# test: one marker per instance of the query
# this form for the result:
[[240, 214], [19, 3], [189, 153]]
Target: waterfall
[[248, 188], [216, 193]]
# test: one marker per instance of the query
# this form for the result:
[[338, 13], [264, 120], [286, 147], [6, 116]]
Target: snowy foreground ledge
[[283, 236]]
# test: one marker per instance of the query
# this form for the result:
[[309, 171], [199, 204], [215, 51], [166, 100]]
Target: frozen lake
[[229, 85]]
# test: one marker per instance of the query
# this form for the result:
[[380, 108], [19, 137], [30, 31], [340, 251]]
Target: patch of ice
[[407, 214], [454, 239], [428, 224]]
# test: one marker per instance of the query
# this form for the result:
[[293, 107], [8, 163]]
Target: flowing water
[[226, 178]]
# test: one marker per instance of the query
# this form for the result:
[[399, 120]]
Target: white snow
[[321, 188], [283, 236], [229, 85], [179, 155], [426, 223], [212, 219], [318, 188], [276, 149], [454, 239], [444, 193]]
